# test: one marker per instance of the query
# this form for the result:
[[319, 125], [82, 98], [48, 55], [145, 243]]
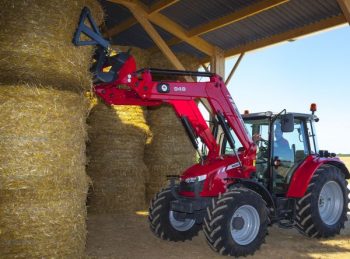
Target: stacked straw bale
[[36, 43], [43, 184], [117, 136], [170, 150], [42, 176]]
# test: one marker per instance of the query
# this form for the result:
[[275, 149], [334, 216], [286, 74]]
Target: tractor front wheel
[[322, 211], [236, 222], [167, 224]]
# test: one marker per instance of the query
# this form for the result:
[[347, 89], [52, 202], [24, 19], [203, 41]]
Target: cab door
[[289, 149]]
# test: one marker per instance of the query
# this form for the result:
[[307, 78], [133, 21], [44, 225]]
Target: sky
[[292, 75]]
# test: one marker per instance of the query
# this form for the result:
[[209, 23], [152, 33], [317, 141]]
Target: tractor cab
[[284, 141]]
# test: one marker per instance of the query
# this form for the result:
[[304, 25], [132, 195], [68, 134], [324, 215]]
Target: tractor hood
[[213, 174]]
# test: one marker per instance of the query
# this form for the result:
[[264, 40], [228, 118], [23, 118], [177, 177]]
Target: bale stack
[[117, 135], [170, 150], [43, 183]]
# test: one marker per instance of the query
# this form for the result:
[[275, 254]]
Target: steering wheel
[[266, 142], [263, 152]]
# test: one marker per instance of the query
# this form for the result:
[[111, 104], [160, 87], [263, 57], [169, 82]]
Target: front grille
[[190, 187]]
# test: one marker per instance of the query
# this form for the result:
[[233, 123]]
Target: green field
[[346, 160]]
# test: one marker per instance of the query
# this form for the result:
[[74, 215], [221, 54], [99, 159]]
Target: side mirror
[[287, 123]]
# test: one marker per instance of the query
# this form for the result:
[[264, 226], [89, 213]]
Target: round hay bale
[[117, 137], [141, 55], [170, 150], [36, 43], [158, 60], [43, 184]]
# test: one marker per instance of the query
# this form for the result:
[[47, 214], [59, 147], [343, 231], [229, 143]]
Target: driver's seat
[[299, 158]]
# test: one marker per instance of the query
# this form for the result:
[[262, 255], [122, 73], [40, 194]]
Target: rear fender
[[303, 174]]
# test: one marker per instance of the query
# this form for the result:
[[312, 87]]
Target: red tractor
[[240, 186]]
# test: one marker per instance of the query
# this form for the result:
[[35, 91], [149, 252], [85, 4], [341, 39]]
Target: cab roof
[[269, 114]]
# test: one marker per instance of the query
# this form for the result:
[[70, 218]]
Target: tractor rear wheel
[[165, 223], [236, 222], [322, 211]]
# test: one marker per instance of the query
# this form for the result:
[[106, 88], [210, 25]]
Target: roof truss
[[345, 7], [236, 16], [192, 36], [288, 35], [138, 8]]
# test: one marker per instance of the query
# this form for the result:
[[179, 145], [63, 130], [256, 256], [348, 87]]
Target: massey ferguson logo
[[179, 89]]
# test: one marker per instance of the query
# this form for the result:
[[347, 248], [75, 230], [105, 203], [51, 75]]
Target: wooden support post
[[234, 68], [217, 64], [345, 7], [206, 69]]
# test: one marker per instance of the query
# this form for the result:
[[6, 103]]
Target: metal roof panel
[[192, 13], [114, 13], [294, 14], [136, 36], [188, 49]]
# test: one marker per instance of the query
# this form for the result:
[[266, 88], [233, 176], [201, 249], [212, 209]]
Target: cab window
[[253, 127]]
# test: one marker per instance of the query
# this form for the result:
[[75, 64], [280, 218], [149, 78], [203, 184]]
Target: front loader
[[240, 186]]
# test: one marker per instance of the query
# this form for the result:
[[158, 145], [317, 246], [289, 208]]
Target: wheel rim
[[180, 225], [245, 224], [330, 203]]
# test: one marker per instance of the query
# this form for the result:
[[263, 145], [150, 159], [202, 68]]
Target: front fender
[[258, 188], [303, 174]]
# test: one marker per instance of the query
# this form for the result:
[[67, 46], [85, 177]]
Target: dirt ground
[[112, 236], [128, 237]]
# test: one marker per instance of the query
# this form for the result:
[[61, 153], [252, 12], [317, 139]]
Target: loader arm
[[138, 88], [123, 85]]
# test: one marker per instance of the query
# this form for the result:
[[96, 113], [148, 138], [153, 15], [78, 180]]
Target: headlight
[[196, 179]]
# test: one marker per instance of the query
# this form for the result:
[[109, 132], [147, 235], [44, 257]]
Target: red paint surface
[[131, 88]]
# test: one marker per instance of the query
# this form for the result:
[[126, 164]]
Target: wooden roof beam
[[175, 29], [158, 40], [160, 5], [234, 68], [292, 34], [168, 25], [345, 7], [128, 23], [231, 18], [236, 16]]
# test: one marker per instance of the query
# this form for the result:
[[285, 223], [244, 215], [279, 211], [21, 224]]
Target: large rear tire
[[236, 223], [322, 211], [164, 223]]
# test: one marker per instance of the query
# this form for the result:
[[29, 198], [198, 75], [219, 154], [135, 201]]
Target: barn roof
[[234, 26]]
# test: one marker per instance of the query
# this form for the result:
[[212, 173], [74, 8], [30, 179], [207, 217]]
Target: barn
[[77, 174]]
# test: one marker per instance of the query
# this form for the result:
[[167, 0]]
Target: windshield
[[256, 126]]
